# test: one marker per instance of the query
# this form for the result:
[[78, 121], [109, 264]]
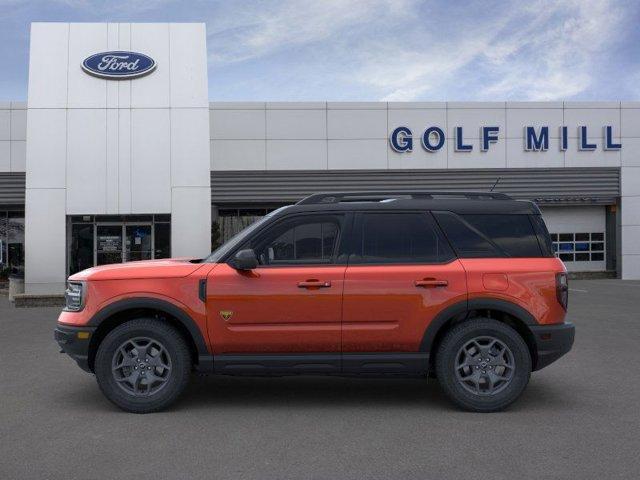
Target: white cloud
[[407, 50], [266, 28], [542, 52], [559, 58]]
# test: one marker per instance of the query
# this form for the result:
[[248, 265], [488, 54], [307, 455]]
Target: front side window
[[240, 237], [308, 239], [398, 237]]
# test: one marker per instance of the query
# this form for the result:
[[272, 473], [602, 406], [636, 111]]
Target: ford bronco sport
[[463, 286]]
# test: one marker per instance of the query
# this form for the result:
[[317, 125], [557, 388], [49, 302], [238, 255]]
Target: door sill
[[369, 364]]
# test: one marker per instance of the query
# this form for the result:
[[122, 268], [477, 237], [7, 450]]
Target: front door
[[401, 274], [292, 302]]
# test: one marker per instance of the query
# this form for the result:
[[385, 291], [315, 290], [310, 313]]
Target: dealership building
[[118, 154]]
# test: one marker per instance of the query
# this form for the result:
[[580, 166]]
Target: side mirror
[[244, 260]]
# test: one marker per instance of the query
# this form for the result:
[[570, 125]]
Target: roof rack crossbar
[[337, 197]]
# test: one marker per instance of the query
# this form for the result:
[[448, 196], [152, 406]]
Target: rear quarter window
[[467, 241], [512, 233], [544, 239], [490, 235]]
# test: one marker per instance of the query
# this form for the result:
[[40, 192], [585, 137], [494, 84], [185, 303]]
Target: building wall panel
[[86, 91], [86, 161], [48, 58], [296, 124], [153, 90], [47, 148], [150, 160]]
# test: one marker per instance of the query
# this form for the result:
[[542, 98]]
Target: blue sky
[[377, 49]]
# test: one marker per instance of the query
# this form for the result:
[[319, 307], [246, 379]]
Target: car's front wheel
[[483, 365], [143, 365]]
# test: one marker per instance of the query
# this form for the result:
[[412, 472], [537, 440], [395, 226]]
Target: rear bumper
[[552, 342], [74, 345]]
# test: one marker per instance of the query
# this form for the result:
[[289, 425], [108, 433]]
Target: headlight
[[74, 296]]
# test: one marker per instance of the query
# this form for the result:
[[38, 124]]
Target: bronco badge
[[226, 314]]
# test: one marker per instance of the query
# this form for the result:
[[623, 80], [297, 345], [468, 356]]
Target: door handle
[[431, 283], [314, 284]]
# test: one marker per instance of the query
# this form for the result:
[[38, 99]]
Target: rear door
[[401, 274]]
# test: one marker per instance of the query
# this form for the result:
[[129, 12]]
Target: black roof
[[453, 201]]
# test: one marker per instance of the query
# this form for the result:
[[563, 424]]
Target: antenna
[[494, 185]]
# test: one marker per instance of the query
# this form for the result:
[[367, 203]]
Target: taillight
[[562, 289]]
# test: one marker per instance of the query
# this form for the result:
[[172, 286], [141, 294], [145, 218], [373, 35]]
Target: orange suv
[[463, 286]]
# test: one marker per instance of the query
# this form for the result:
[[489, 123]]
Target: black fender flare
[[466, 306], [452, 311], [155, 304], [504, 306]]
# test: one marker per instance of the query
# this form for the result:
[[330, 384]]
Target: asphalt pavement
[[579, 418]]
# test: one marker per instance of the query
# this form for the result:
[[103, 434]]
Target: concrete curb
[[25, 300]]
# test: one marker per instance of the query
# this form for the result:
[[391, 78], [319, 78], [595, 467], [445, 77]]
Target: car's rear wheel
[[143, 365], [483, 365]]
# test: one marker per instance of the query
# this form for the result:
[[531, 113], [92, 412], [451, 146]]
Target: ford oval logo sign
[[118, 65]]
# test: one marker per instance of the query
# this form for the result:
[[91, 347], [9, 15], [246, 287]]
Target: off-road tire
[[448, 354], [177, 376]]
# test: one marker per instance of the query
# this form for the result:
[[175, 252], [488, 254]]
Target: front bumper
[[75, 341], [552, 342]]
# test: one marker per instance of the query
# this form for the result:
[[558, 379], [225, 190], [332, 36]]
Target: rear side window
[[544, 239], [397, 237], [514, 234], [468, 242], [486, 235]]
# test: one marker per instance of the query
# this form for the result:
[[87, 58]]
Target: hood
[[166, 268]]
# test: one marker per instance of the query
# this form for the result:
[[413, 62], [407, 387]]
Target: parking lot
[[579, 418]]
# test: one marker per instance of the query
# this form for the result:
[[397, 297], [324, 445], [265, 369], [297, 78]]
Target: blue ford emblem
[[118, 65]]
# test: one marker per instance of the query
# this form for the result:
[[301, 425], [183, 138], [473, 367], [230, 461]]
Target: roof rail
[[337, 197]]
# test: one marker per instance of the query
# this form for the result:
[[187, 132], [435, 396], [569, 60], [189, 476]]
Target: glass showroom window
[[579, 247], [11, 242], [230, 221], [103, 239]]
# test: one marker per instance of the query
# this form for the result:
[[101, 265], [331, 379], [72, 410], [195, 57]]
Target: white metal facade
[[13, 136], [96, 146]]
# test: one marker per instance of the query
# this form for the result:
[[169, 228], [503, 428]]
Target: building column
[[45, 241], [630, 222], [190, 183], [191, 222]]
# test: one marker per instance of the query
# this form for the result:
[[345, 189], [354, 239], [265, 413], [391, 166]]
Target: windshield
[[239, 238]]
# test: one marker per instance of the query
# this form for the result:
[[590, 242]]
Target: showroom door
[[116, 243], [138, 242], [108, 244]]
